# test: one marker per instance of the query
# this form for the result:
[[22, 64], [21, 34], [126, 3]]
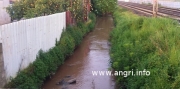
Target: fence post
[[68, 18], [155, 8]]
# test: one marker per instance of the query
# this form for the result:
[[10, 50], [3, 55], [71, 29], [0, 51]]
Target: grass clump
[[146, 43], [47, 62]]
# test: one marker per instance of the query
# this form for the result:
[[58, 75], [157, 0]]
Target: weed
[[146, 43]]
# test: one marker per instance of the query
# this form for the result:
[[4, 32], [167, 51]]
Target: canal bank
[[91, 55]]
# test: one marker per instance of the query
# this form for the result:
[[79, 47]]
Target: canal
[[91, 55]]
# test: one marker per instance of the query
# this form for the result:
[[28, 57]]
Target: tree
[[17, 10], [76, 8], [102, 7], [34, 8]]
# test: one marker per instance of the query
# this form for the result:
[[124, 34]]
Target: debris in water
[[61, 82], [67, 76], [72, 81]]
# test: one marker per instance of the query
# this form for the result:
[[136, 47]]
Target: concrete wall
[[22, 40], [4, 17]]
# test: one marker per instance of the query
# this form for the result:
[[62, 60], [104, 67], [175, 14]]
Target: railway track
[[147, 9]]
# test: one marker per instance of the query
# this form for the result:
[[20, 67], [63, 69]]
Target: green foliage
[[47, 62], [75, 33], [92, 16], [146, 43], [34, 8], [17, 10], [102, 7], [46, 7], [77, 10]]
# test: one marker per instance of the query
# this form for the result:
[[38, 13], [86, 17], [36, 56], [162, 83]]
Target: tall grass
[[146, 43]]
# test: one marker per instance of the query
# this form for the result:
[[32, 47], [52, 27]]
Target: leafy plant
[[17, 10], [76, 8], [34, 8], [102, 7], [146, 43]]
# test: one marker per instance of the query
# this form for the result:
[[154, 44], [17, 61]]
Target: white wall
[[23, 39], [166, 3], [4, 17], [170, 4], [124, 0], [141, 1]]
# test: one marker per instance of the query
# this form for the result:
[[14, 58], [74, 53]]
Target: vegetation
[[77, 9], [34, 8], [47, 62], [146, 43], [102, 7]]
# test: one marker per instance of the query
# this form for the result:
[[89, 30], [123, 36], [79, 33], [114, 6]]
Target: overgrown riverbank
[[47, 62], [146, 43]]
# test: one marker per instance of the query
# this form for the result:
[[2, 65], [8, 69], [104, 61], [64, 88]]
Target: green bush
[[34, 8], [17, 10], [47, 62], [77, 10], [102, 7], [146, 43], [92, 16]]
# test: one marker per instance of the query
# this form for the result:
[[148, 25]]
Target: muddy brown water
[[91, 55]]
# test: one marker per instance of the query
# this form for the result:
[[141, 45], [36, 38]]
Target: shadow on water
[[91, 55]]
